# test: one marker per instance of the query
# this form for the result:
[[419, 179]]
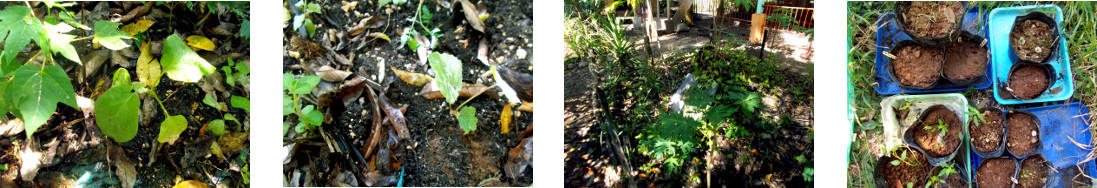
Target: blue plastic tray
[[1000, 24], [1057, 122], [889, 33]]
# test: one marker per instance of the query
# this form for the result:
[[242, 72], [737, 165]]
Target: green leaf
[[117, 110], [287, 105], [383, 3], [23, 28], [301, 127], [171, 128], [312, 8], [468, 119], [121, 79], [288, 82], [108, 35], [228, 76], [232, 118], [39, 92], [210, 101], [217, 127], [181, 63], [68, 19], [245, 30], [285, 128], [312, 116], [310, 27], [298, 21], [304, 85], [399, 2], [449, 78], [5, 103], [59, 42], [241, 103]]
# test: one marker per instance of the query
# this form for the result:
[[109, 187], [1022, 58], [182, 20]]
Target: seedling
[[903, 159], [308, 117], [941, 129], [302, 19], [974, 113]]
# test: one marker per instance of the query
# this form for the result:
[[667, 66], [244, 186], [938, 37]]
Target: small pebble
[[1033, 133], [521, 53]]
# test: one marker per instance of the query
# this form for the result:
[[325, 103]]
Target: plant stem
[[474, 96], [153, 91]]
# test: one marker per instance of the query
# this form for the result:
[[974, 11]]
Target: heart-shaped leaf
[[171, 128], [217, 127], [468, 119], [312, 116], [116, 110], [449, 78], [181, 63], [108, 35], [240, 102], [38, 92]]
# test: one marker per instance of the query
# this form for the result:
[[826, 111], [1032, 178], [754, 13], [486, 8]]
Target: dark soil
[[1028, 82], [1024, 135], [1034, 172], [1032, 40], [915, 169], [438, 153], [952, 180], [996, 172], [933, 19], [931, 139], [917, 65], [966, 60], [987, 136]]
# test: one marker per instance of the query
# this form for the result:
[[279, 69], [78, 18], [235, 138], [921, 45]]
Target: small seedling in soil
[[974, 113], [941, 128], [939, 179], [904, 160]]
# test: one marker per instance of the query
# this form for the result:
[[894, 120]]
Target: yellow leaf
[[200, 42], [148, 68], [504, 119], [415, 79], [190, 184], [137, 27], [379, 35]]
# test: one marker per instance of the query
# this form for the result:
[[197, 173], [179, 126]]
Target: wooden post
[[757, 28]]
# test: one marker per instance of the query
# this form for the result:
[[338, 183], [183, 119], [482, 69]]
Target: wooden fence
[[805, 17]]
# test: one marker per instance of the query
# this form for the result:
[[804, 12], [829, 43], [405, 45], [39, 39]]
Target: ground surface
[[79, 151], [438, 153], [765, 160]]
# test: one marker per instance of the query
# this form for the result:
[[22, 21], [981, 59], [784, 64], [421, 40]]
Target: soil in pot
[[1028, 81], [951, 180], [1024, 134], [933, 19], [996, 172], [898, 170], [967, 59], [1032, 40], [938, 132], [917, 65], [1034, 172], [987, 135]]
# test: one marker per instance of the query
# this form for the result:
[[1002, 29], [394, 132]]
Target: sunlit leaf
[[148, 68], [504, 119], [448, 69], [200, 42], [68, 19], [240, 102], [182, 64], [216, 126], [191, 184], [312, 116], [23, 28], [108, 35], [468, 119], [171, 128]]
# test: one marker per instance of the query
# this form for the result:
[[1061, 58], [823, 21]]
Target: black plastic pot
[[1039, 141], [884, 161], [1046, 67], [1001, 144], [1038, 16], [905, 43], [967, 36], [901, 9], [1042, 159], [1017, 169], [908, 137]]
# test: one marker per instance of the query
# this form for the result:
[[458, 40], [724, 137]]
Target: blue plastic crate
[[889, 33], [1057, 123], [1000, 24]]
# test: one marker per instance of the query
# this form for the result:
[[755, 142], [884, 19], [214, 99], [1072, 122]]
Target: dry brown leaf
[[127, 174], [372, 22], [482, 52], [519, 158], [347, 7], [118, 59], [331, 74], [379, 35], [472, 15], [415, 79], [431, 91], [504, 119]]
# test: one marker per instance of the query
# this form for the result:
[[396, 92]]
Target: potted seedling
[[915, 65], [1034, 37], [967, 59], [1024, 137], [930, 21], [1028, 80], [1034, 172], [903, 167], [996, 172], [938, 132], [946, 175], [987, 131]]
